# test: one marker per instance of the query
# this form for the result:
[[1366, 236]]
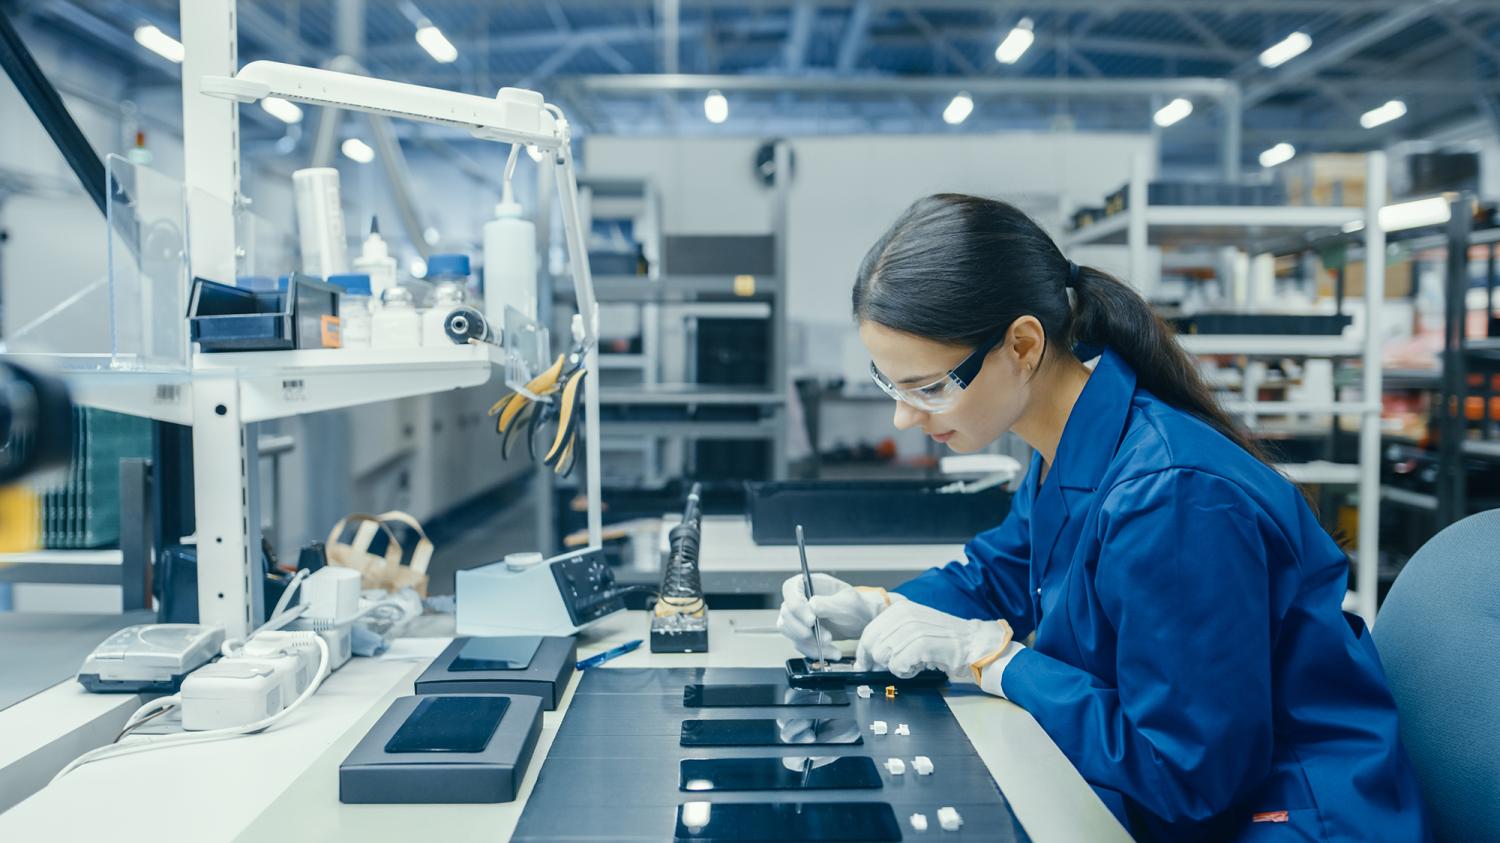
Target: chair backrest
[[1438, 635]]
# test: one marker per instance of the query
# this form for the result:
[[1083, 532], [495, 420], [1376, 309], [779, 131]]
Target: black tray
[[870, 512]]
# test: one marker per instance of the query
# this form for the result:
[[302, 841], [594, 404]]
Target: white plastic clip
[[895, 766], [919, 822], [879, 727], [922, 764], [903, 729], [949, 819], [863, 691]]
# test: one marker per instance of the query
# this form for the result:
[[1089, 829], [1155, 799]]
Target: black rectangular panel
[[787, 731], [814, 772], [786, 821], [449, 724], [756, 696], [502, 653]]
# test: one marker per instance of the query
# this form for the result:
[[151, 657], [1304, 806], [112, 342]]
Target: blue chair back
[[1438, 635]]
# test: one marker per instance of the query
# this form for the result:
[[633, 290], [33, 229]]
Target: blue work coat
[[1191, 656]]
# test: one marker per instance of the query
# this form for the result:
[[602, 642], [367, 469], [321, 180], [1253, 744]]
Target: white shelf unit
[[223, 395], [1140, 227]]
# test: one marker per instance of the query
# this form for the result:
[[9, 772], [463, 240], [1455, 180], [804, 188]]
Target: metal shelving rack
[[1260, 229]]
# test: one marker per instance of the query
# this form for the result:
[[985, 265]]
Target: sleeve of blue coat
[[993, 581], [1184, 727]]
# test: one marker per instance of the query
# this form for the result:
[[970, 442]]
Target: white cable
[[232, 646], [291, 590], [116, 750]]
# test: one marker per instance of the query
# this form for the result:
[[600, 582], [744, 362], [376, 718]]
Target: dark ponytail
[[955, 269]]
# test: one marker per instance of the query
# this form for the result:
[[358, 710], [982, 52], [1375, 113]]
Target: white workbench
[[283, 785]]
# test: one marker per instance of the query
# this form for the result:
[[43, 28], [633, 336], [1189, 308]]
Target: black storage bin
[[1262, 323], [870, 512], [226, 318]]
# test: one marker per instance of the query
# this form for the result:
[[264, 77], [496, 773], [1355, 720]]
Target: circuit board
[[613, 771]]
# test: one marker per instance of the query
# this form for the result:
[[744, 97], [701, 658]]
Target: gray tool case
[[371, 775]]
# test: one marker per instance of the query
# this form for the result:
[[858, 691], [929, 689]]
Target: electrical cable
[[117, 750]]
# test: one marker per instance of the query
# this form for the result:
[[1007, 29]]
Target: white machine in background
[[153, 657], [527, 595]]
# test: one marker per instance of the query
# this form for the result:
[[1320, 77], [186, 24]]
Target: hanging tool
[[546, 413]]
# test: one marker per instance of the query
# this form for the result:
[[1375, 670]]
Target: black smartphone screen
[[788, 731], [717, 696], [836, 674], [508, 653], [815, 772], [786, 821], [449, 724]]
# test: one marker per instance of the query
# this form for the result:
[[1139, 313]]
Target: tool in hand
[[807, 585]]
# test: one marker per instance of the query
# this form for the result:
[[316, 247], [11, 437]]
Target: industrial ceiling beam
[[853, 42], [799, 35], [1322, 58], [977, 85]]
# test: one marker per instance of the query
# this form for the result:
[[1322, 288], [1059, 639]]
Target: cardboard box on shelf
[[1398, 280], [1333, 179]]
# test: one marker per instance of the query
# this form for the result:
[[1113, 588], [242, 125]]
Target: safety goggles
[[940, 395]]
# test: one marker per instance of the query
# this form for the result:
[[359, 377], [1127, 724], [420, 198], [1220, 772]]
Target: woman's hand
[[909, 637], [842, 611]]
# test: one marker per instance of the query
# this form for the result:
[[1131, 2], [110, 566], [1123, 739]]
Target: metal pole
[[1229, 150], [583, 290], [1367, 563], [1451, 481]]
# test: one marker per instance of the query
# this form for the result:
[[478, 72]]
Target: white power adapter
[[331, 595], [279, 643], [236, 691]]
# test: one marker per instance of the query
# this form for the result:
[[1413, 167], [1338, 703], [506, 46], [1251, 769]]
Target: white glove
[[910, 637], [842, 612]]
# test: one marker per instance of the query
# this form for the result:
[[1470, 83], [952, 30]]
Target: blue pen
[[595, 661]]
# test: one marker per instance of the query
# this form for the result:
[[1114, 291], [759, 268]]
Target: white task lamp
[[515, 116]]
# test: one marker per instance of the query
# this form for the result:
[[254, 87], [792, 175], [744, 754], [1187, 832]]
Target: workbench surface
[[283, 785]]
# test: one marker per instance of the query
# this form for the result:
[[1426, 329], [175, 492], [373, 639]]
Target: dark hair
[[955, 269]]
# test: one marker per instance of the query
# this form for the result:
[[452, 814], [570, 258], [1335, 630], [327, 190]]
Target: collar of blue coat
[[1094, 428]]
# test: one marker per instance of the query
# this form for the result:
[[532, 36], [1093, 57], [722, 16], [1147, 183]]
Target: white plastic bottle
[[320, 222], [396, 324], [375, 261], [509, 262], [355, 319]]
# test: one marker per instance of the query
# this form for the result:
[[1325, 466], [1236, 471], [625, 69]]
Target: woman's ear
[[1025, 341]]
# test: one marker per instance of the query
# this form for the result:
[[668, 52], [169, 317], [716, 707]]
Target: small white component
[[332, 594], [903, 729], [279, 643], [863, 691], [879, 727], [922, 764], [895, 765], [949, 819], [919, 822]]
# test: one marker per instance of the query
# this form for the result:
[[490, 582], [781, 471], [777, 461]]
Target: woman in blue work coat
[[1190, 656]]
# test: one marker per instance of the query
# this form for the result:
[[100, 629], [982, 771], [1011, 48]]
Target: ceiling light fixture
[[1173, 112], [1278, 154], [715, 107], [357, 150], [1016, 42], [959, 109], [161, 43], [1379, 116], [1285, 50]]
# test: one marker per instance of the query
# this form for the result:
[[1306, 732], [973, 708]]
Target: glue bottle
[[509, 257], [375, 261]]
